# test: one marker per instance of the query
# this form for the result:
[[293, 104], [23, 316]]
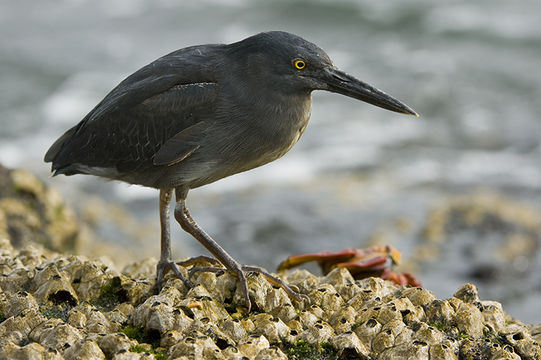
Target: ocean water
[[470, 69]]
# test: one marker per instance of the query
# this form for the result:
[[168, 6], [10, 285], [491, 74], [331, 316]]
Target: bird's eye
[[299, 64]]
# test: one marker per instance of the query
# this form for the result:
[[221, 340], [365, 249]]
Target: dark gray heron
[[203, 113]]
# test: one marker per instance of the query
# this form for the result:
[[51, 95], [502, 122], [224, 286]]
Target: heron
[[203, 113]]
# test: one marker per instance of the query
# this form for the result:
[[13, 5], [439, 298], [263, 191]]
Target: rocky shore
[[57, 306], [69, 307]]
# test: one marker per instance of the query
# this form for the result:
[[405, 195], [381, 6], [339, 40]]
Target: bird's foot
[[294, 294], [199, 259], [243, 283], [164, 267]]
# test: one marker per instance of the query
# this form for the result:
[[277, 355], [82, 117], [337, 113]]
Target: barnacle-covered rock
[[442, 352], [349, 343], [440, 312], [84, 349], [428, 334], [232, 353], [367, 331], [158, 313], [302, 280], [18, 302], [493, 315], [468, 320], [271, 327], [326, 297], [471, 349], [383, 340], [16, 329], [29, 351], [32, 213], [419, 296], [342, 281], [54, 307], [271, 353], [78, 316], [518, 336], [112, 344], [468, 293], [251, 346], [55, 334], [343, 319], [198, 346], [320, 333], [53, 283], [199, 304], [413, 350], [285, 312], [234, 329]]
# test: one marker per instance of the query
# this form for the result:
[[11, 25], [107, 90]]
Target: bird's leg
[[189, 225], [165, 264]]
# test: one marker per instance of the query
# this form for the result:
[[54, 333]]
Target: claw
[[361, 263], [163, 268], [199, 259], [244, 284], [213, 269], [321, 257], [277, 282]]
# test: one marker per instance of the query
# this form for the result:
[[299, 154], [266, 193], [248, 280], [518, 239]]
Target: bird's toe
[[164, 267]]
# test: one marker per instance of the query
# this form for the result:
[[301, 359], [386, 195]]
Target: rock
[[113, 344], [271, 353], [349, 343], [468, 320], [198, 346], [32, 213], [84, 349], [56, 306], [18, 302], [253, 345], [78, 308], [55, 334], [29, 351]]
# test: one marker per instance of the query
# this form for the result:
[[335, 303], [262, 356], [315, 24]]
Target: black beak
[[339, 82]]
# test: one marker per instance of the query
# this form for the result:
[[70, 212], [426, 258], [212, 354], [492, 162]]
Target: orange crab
[[361, 263]]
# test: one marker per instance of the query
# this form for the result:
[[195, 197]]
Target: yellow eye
[[299, 64]]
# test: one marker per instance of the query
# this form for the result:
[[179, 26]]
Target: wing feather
[[143, 116]]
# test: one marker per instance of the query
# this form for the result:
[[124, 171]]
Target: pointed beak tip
[[410, 111]]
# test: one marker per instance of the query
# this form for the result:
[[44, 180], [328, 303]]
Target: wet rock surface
[[69, 307]]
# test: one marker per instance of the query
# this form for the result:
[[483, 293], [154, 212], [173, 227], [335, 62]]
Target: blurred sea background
[[457, 190]]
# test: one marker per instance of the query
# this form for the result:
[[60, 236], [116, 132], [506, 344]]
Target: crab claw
[[320, 257], [361, 263], [358, 260]]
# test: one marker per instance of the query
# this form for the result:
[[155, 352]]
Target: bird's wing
[[180, 146], [126, 129], [191, 65]]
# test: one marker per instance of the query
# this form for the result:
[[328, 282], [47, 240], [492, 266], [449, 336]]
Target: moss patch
[[111, 294], [302, 350], [55, 311], [142, 335], [159, 355]]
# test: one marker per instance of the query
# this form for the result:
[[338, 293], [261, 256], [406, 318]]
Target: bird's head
[[286, 63]]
